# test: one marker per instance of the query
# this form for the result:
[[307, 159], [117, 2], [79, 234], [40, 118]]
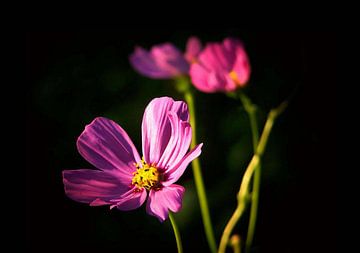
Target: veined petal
[[93, 186], [231, 45], [163, 61], [242, 66], [156, 128], [143, 62], [179, 142], [163, 200], [222, 56], [218, 80], [175, 172], [199, 77], [167, 56], [213, 58], [107, 146], [208, 81], [131, 200]]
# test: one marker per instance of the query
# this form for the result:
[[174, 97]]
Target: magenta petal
[[168, 57], [217, 62], [156, 128], [199, 77], [131, 200], [163, 200], [193, 49], [163, 61], [175, 172], [143, 62], [218, 80], [179, 141], [92, 186], [242, 66], [223, 58], [230, 84], [107, 146], [231, 45], [212, 58]]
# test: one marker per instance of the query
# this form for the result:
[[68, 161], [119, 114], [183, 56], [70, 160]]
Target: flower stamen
[[146, 176], [234, 76]]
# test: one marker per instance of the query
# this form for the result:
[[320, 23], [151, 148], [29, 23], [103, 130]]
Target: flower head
[[221, 67], [165, 61], [123, 180]]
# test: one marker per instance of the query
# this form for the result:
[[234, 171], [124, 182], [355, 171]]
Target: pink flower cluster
[[218, 67], [123, 179]]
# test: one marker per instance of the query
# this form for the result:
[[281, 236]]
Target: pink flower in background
[[165, 61], [123, 179], [193, 49], [221, 67]]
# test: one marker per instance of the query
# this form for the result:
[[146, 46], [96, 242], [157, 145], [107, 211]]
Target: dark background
[[75, 76]]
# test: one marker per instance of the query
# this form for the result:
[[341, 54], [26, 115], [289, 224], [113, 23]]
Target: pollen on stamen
[[146, 176]]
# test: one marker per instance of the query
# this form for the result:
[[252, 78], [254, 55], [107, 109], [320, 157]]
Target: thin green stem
[[199, 182], [244, 187], [250, 108], [254, 208], [176, 233], [236, 243]]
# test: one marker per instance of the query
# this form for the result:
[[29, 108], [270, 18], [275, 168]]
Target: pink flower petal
[[242, 66], [156, 128], [167, 56], [216, 62], [209, 58], [223, 58], [199, 77], [131, 200], [175, 172], [231, 45], [107, 146], [163, 61], [218, 80], [230, 85], [193, 49], [163, 200], [144, 63], [179, 141], [92, 186]]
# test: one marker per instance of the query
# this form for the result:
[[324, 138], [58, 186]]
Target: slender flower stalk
[[176, 233], [235, 242], [250, 108], [244, 187], [183, 86]]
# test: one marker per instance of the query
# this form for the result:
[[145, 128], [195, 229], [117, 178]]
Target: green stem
[[176, 233], [250, 108], [199, 182], [254, 208], [236, 243], [244, 187]]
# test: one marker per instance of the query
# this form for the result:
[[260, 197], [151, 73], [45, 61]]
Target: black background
[[74, 76]]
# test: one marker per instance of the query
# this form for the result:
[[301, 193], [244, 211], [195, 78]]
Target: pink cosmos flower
[[123, 180], [221, 67], [165, 61]]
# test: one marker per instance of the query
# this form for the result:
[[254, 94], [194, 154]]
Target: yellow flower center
[[146, 176], [233, 75]]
